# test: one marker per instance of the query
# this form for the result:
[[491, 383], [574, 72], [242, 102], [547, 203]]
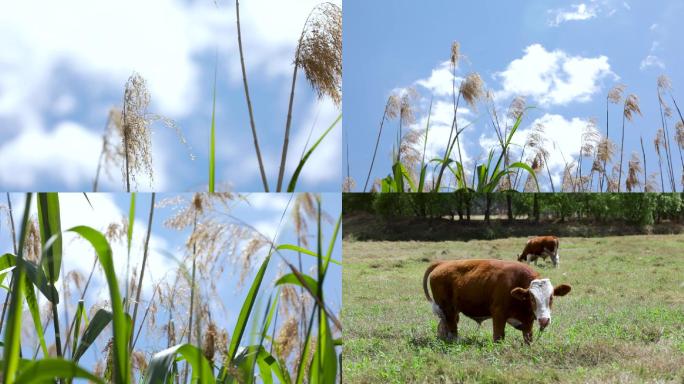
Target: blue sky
[[262, 211], [563, 56], [62, 68]]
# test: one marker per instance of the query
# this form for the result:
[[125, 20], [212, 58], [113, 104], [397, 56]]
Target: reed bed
[[293, 338], [599, 165]]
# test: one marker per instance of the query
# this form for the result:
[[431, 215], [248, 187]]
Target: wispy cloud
[[576, 12]]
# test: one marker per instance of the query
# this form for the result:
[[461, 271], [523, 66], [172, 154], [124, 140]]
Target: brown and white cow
[[541, 246], [505, 291]]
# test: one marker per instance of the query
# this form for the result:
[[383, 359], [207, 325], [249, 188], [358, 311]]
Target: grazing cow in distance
[[505, 291], [541, 246]]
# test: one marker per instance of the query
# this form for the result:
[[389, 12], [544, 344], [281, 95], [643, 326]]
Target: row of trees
[[635, 208]]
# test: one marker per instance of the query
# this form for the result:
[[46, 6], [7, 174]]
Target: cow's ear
[[561, 290], [520, 293]]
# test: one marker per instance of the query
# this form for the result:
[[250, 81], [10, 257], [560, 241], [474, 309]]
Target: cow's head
[[522, 258], [540, 296]]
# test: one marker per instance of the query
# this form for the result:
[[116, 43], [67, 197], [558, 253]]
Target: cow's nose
[[543, 322]]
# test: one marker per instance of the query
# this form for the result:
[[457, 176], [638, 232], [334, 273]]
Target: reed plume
[[537, 141], [615, 97], [631, 106], [536, 165], [391, 112], [588, 141], [516, 108], [472, 89], [112, 153], [633, 172], [664, 85], [659, 143], [136, 129], [319, 55]]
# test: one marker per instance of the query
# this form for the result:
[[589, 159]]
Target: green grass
[[622, 322]]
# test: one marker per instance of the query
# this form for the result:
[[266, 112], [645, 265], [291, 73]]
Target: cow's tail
[[429, 270]]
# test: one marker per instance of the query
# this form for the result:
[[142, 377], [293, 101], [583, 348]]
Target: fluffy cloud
[[66, 155], [563, 139], [440, 82], [63, 155], [553, 77]]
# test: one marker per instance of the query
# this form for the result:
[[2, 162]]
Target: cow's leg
[[527, 332], [556, 259], [451, 324], [448, 321], [499, 323]]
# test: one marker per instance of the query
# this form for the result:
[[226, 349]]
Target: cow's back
[[475, 286]]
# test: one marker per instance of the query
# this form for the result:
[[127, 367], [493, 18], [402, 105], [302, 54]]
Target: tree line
[[467, 206]]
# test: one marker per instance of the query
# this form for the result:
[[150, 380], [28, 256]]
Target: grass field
[[623, 321]]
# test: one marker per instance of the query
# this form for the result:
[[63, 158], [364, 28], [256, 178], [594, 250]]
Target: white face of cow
[[540, 296], [541, 292]]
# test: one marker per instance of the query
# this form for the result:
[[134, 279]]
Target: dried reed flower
[[304, 208], [651, 183], [679, 133], [605, 150], [631, 106], [392, 107], [472, 89], [191, 210], [516, 108], [664, 83], [615, 94], [113, 154], [319, 52], [288, 338], [406, 105], [139, 361], [536, 164], [590, 138], [32, 245], [248, 253], [137, 140], [455, 53], [633, 172], [613, 179], [569, 181], [116, 232], [409, 154], [348, 184], [136, 129], [659, 141], [209, 343]]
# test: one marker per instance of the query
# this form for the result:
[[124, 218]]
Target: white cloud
[[440, 82], [324, 163], [553, 77], [64, 155], [268, 201], [563, 137], [651, 61], [67, 156], [577, 12]]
